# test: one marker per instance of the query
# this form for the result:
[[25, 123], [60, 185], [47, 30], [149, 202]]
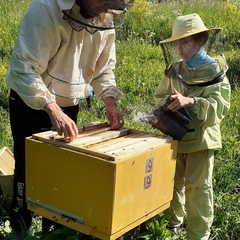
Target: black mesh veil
[[113, 17], [213, 47]]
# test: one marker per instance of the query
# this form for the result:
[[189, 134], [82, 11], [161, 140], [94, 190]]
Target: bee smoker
[[168, 122]]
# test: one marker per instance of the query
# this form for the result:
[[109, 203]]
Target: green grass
[[139, 69]]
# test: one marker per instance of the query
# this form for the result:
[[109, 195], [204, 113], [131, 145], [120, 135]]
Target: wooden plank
[[82, 139], [100, 137], [92, 126], [86, 140], [124, 137], [54, 136], [137, 148], [118, 142], [93, 132], [7, 162], [84, 130]]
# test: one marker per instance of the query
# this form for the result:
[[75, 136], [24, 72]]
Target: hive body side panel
[[73, 182], [144, 183]]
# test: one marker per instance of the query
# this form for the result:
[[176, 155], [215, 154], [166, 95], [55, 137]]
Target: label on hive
[[149, 165], [148, 181]]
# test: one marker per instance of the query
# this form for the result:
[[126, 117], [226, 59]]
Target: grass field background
[[139, 69]]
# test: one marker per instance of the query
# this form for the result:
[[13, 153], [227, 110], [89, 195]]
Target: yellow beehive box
[[104, 183]]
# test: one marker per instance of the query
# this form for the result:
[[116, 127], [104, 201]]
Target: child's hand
[[179, 101]]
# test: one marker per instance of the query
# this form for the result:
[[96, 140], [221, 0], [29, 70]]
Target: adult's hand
[[113, 114], [61, 122]]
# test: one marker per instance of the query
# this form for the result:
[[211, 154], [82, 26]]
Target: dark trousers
[[26, 121]]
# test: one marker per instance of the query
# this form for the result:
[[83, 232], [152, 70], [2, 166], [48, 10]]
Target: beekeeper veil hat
[[188, 25], [112, 17], [185, 26]]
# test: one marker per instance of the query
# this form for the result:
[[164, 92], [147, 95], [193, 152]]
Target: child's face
[[187, 47]]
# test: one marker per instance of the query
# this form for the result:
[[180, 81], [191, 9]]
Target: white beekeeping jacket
[[51, 62]]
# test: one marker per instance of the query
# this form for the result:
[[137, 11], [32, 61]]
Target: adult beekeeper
[[63, 48], [195, 79]]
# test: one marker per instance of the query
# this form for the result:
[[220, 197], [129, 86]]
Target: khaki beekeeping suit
[[208, 85]]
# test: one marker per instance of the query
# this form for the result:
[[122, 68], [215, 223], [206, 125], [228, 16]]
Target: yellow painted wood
[[104, 189], [93, 231], [130, 192], [78, 183]]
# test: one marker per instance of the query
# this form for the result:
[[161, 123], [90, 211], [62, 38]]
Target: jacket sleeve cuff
[[112, 92], [196, 104]]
